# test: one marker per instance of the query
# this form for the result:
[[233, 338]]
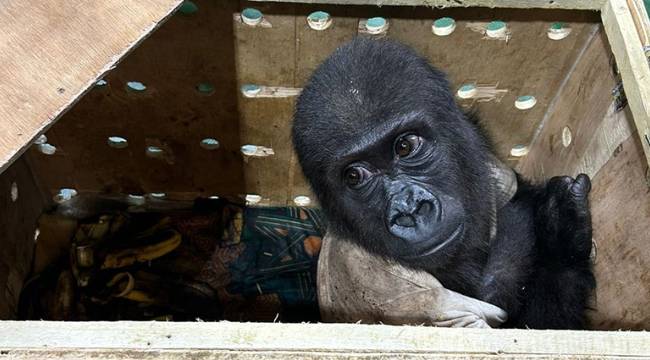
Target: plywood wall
[[207, 44], [21, 202]]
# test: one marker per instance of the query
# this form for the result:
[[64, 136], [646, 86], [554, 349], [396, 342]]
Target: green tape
[[496, 25], [444, 22]]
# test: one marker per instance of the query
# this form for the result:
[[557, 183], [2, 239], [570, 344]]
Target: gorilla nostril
[[405, 220], [424, 208]]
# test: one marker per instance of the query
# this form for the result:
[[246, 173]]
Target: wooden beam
[[632, 63], [52, 52], [523, 4], [168, 340]]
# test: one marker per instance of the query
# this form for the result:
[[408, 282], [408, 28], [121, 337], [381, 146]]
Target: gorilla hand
[[564, 220]]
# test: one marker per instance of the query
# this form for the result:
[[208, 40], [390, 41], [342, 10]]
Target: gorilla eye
[[406, 145], [354, 176]]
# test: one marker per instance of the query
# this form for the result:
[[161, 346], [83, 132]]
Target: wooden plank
[[190, 49], [632, 64], [53, 51], [21, 202], [524, 4], [620, 212], [27, 340], [267, 56], [585, 112]]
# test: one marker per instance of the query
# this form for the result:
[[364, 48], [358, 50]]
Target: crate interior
[[147, 130]]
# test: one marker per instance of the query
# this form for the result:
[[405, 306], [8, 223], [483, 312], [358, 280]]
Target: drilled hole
[[117, 142]]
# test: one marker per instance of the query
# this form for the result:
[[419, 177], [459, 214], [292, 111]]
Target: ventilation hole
[[210, 144], [117, 142], [496, 29], [249, 150], [136, 200], [188, 8], [14, 192], [567, 137], [47, 149], [302, 200], [376, 25], [252, 199], [65, 194], [136, 86], [251, 16], [519, 150], [525, 102], [319, 20], [205, 88], [157, 195], [250, 89], [444, 26], [154, 151], [467, 91], [557, 31], [42, 139], [101, 83]]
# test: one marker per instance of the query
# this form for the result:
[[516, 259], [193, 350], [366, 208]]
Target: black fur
[[369, 93]]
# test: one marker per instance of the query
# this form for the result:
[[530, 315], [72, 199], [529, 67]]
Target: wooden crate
[[194, 67]]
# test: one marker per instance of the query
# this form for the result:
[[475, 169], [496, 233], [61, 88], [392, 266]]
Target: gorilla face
[[395, 164]]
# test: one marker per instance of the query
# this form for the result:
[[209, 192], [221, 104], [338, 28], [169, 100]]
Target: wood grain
[[18, 222], [620, 210], [52, 52], [26, 340], [526, 4]]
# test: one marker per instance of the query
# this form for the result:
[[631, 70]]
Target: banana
[[145, 253]]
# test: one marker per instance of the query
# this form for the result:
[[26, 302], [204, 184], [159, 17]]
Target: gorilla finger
[[582, 186]]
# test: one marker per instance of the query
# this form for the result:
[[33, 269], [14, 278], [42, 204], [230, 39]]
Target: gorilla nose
[[405, 220], [411, 207]]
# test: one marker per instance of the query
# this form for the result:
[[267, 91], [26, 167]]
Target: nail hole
[[157, 195], [250, 89], [496, 29], [188, 8], [136, 200], [101, 83], [319, 20], [65, 194], [376, 25], [525, 102], [519, 150], [252, 199], [210, 144], [42, 139], [136, 86], [154, 151], [37, 233], [117, 142], [467, 91], [251, 16], [14, 192], [567, 137], [557, 31], [205, 88], [444, 26], [214, 197], [47, 149], [302, 200]]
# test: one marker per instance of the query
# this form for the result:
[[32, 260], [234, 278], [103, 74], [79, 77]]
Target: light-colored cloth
[[354, 285]]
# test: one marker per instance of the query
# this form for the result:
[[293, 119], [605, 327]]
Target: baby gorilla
[[401, 170]]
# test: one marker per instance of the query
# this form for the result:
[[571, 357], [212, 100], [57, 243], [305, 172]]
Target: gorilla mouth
[[437, 246]]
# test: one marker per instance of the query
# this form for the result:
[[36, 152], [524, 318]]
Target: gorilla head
[[394, 162]]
